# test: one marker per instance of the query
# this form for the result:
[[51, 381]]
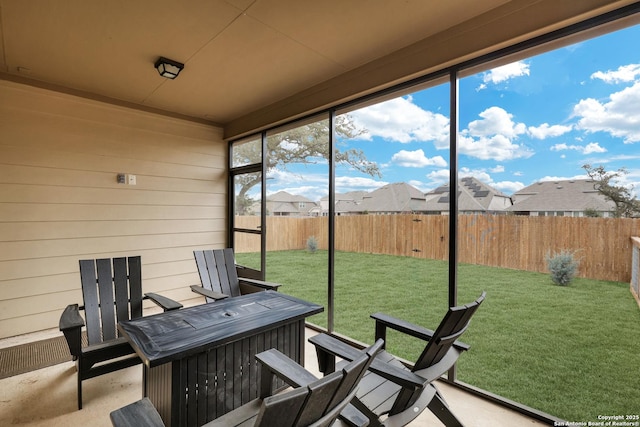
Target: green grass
[[573, 352]]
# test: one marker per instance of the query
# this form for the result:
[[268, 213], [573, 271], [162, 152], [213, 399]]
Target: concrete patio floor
[[47, 397]]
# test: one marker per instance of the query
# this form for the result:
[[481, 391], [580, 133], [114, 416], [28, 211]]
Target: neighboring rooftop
[[286, 204], [398, 197], [571, 197], [473, 196]]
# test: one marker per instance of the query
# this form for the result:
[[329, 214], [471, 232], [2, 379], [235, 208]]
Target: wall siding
[[60, 201]]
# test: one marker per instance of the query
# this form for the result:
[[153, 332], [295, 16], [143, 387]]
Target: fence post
[[635, 267]]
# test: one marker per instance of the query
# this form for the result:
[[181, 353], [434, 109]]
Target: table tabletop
[[172, 335]]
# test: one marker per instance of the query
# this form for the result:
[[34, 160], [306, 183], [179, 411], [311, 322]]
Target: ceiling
[[240, 56]]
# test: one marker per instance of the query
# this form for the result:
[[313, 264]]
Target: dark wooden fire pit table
[[199, 361]]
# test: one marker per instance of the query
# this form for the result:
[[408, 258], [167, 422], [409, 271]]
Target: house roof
[[564, 195], [347, 202], [396, 197], [473, 196], [249, 64], [283, 202], [283, 196]]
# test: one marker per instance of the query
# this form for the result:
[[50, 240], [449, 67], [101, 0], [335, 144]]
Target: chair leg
[[441, 410], [79, 391], [79, 370], [374, 421]]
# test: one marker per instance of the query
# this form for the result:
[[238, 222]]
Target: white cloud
[[490, 138], [422, 186], [348, 183], [402, 121], [620, 116], [310, 192], [496, 120], [504, 73], [625, 158], [480, 174], [545, 131], [624, 73], [561, 178], [592, 147], [497, 169], [508, 187], [416, 159], [441, 176]]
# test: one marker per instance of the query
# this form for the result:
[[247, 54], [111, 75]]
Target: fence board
[[603, 245]]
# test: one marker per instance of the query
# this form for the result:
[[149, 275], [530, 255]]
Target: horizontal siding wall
[[60, 200]]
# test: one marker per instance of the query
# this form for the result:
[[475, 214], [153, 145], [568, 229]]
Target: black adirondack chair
[[311, 402], [390, 394], [220, 278], [109, 295]]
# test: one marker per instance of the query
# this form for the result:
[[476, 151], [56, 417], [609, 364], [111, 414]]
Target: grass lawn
[[573, 352]]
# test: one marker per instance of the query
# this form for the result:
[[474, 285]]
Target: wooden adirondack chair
[[109, 296], [219, 276], [311, 402], [390, 394]]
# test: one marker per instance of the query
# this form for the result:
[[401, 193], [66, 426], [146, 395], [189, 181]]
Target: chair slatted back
[[282, 409], [321, 395], [329, 417], [112, 291], [350, 377], [352, 374], [322, 400], [452, 326], [217, 269]]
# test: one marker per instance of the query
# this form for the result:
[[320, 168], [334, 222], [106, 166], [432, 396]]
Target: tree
[[626, 205], [306, 144], [592, 213]]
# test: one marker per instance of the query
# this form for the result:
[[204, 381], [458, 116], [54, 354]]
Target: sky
[[539, 118]]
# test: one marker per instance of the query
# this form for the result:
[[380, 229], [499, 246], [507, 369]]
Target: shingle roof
[[473, 196], [283, 196], [396, 197], [566, 195], [349, 202], [286, 203]]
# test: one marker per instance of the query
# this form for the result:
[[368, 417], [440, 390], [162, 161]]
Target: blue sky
[[540, 118]]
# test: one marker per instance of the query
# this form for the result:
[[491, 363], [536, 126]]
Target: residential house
[[474, 197], [393, 198], [346, 203], [561, 198], [286, 204]]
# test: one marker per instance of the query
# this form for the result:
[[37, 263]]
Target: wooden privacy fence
[[603, 245], [635, 268]]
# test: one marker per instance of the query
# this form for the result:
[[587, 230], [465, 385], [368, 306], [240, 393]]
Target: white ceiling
[[240, 56]]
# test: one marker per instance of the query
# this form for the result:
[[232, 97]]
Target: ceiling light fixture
[[168, 68]]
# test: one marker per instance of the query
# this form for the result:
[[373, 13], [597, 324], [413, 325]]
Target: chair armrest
[[137, 414], [384, 321], [208, 293], [167, 304], [71, 324], [275, 363], [259, 283], [330, 347], [70, 318]]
